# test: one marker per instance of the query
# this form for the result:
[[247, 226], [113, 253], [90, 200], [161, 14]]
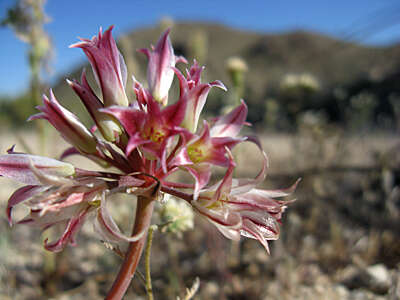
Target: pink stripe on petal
[[18, 167], [218, 84], [252, 200], [281, 192], [68, 236], [108, 66], [131, 119], [67, 124], [160, 73], [19, 196], [232, 123], [252, 231], [181, 159], [174, 114], [106, 226], [134, 142], [225, 184], [201, 173], [225, 218], [183, 84]]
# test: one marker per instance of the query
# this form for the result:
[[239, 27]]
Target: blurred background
[[322, 82]]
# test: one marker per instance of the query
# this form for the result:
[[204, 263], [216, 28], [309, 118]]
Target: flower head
[[144, 140], [59, 194], [237, 208]]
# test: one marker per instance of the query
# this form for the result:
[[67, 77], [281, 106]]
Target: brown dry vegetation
[[339, 240]]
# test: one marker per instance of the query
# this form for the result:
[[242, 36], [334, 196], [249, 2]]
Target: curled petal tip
[[145, 51], [35, 117], [180, 59], [74, 45], [219, 84], [106, 226]]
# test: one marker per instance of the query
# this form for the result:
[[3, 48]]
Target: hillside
[[270, 57], [338, 239]]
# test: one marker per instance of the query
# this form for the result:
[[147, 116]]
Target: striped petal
[[19, 167], [232, 123], [67, 124], [108, 66], [108, 229]]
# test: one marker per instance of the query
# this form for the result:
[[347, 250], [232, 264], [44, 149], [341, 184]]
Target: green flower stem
[[144, 211], [147, 255]]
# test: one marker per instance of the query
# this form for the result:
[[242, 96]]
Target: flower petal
[[108, 229], [67, 124], [225, 185], [243, 185], [20, 195], [134, 142], [201, 174], [131, 119], [18, 167], [280, 192], [256, 199], [222, 217], [68, 236], [108, 126], [230, 124], [250, 230], [159, 71]]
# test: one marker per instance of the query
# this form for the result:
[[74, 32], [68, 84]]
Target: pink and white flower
[[237, 208], [145, 140], [209, 148], [60, 195]]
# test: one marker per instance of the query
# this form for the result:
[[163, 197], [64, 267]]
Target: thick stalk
[[144, 211]]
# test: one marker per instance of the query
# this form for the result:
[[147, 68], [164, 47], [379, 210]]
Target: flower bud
[[20, 167], [70, 128], [108, 126], [108, 67], [160, 71]]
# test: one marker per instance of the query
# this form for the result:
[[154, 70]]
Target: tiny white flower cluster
[[177, 215], [304, 80]]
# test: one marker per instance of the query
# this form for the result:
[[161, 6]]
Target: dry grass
[[331, 236]]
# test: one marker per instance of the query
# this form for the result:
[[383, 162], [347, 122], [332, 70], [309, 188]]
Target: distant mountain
[[269, 56]]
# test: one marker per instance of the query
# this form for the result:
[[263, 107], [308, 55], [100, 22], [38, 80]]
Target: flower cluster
[[146, 139]]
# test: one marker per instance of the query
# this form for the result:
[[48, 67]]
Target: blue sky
[[366, 21]]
